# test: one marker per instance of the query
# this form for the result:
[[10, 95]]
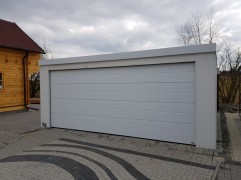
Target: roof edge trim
[[194, 49]]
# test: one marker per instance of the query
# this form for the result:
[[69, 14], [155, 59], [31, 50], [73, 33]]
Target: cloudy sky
[[86, 27]]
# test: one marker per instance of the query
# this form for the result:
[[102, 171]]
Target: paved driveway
[[68, 154], [20, 122]]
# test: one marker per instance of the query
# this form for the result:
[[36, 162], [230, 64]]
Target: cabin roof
[[12, 36]]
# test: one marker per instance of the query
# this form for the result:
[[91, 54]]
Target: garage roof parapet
[[194, 49]]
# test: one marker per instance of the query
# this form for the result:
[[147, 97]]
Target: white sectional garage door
[[151, 101]]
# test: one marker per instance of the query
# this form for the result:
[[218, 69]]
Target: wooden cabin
[[19, 56]]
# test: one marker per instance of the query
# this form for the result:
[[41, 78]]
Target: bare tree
[[200, 29], [205, 29], [49, 52], [34, 79], [230, 66], [185, 33], [214, 27]]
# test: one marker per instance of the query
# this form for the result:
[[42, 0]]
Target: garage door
[[154, 101]]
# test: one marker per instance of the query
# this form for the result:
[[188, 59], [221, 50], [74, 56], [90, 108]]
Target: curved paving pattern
[[107, 170], [140, 154], [84, 160], [20, 170], [76, 169]]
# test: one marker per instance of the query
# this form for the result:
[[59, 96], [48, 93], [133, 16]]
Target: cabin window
[[1, 80]]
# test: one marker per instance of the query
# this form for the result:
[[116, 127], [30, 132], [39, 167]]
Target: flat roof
[[194, 49]]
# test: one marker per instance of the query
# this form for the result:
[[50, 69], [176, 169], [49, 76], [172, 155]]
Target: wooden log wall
[[11, 66]]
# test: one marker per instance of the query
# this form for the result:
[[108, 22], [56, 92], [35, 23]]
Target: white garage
[[164, 94]]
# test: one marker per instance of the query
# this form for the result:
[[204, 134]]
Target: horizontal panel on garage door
[[155, 101]]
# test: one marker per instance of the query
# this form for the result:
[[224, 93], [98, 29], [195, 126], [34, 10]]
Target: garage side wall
[[205, 76], [206, 98]]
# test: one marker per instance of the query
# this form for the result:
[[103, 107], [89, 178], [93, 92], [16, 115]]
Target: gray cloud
[[81, 27]]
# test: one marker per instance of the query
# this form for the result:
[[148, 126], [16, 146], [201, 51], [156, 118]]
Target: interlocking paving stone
[[229, 170], [27, 170], [106, 169], [116, 168], [76, 169], [101, 174], [131, 169], [140, 154], [108, 156]]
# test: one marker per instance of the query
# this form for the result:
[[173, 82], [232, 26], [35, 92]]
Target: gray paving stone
[[229, 171], [150, 167]]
